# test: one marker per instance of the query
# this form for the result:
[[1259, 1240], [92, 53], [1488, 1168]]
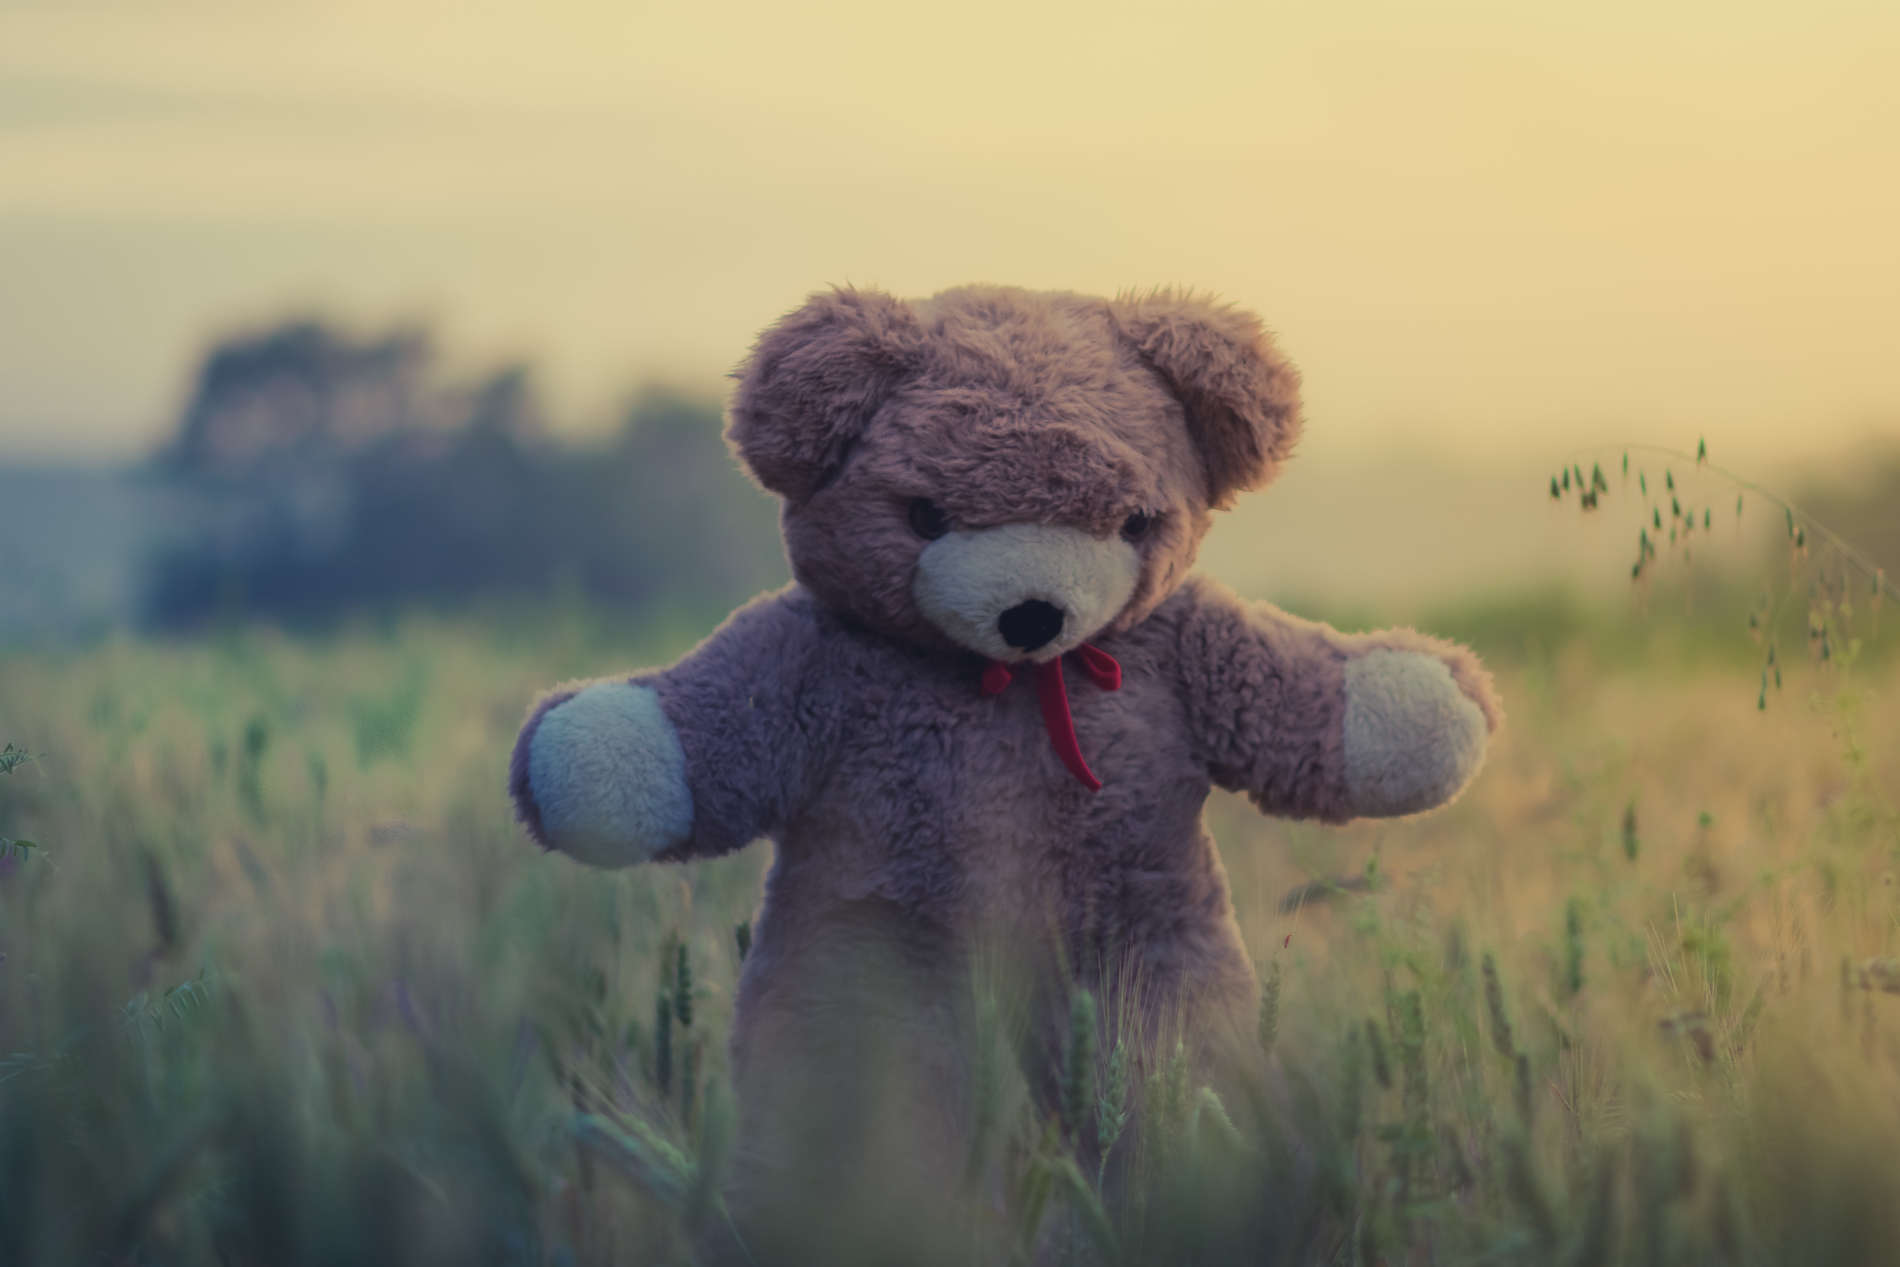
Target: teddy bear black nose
[[1030, 625]]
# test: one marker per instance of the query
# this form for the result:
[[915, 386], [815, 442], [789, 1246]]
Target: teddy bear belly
[[958, 808], [1103, 894], [1138, 888], [948, 826]]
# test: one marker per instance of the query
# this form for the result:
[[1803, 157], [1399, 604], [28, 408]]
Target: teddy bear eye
[[1136, 526], [927, 519]]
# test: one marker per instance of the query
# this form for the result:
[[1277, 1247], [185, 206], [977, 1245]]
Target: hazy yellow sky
[[1474, 225]]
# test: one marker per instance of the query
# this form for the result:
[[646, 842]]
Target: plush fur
[[923, 829]]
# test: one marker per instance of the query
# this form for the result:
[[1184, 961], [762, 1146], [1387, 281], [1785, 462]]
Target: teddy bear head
[[1005, 471]]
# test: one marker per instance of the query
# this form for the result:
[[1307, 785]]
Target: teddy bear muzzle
[[1024, 591]]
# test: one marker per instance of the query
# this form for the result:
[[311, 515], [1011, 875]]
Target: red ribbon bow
[[1054, 697]]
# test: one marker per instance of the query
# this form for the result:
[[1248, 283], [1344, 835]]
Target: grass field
[[280, 981]]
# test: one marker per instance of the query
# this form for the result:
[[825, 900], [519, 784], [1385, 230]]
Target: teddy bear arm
[[1313, 723], [690, 761]]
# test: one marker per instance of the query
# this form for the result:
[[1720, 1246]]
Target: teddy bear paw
[[1413, 738], [601, 776]]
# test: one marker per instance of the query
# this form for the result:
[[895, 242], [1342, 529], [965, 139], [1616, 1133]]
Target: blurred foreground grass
[[280, 982]]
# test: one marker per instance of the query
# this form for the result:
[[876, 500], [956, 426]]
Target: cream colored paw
[[608, 776], [1413, 739]]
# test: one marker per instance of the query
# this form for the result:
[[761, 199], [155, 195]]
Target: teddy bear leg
[[849, 1063], [1250, 1192]]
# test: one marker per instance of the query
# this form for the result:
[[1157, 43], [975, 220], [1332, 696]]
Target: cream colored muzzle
[[966, 581]]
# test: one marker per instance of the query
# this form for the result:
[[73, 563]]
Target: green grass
[[283, 984]]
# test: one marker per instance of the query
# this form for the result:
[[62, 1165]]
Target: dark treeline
[[1863, 506], [329, 474]]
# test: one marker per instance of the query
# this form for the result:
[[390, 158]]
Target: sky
[[1484, 230]]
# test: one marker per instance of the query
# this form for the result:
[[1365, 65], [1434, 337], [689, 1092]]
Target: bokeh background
[[306, 307]]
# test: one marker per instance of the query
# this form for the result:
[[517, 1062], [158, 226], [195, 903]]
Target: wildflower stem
[[1854, 557]]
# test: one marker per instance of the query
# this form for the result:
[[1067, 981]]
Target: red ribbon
[[1053, 694]]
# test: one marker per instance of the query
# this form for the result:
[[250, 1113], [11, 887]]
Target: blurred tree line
[[328, 474], [1863, 505]]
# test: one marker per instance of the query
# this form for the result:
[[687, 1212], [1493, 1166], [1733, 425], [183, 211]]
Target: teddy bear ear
[[813, 381], [1241, 395]]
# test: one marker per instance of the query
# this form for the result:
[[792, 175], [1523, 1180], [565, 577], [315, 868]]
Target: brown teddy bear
[[981, 725]]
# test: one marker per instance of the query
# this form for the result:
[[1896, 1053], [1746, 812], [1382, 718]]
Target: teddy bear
[[981, 723]]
